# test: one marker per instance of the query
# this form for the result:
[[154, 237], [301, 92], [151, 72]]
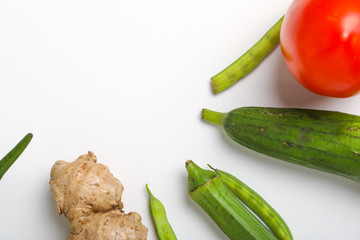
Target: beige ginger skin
[[90, 198]]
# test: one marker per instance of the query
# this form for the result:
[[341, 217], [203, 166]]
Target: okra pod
[[248, 61], [207, 189], [158, 213], [256, 204], [10, 158]]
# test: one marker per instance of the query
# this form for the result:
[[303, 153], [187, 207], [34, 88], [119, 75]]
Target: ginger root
[[90, 198]]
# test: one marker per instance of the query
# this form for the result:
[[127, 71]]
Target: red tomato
[[320, 42]]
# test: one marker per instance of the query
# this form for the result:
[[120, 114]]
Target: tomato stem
[[248, 61]]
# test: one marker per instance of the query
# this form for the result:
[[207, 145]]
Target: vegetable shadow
[[289, 91], [59, 221]]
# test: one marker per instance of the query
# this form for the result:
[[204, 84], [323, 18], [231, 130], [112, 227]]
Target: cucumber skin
[[324, 140]]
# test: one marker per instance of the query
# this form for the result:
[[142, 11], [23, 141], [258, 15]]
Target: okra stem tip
[[211, 167], [148, 190], [197, 176]]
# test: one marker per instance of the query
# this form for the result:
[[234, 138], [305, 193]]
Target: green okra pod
[[162, 225], [207, 189], [248, 61], [10, 158], [257, 204]]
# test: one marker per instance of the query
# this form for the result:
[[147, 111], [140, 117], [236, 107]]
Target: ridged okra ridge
[[257, 205], [233, 218]]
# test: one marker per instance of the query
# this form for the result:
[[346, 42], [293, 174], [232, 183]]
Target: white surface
[[127, 79]]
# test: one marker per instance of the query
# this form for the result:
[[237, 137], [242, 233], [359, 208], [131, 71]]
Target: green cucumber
[[324, 140]]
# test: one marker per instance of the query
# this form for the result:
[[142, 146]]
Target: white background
[[127, 79]]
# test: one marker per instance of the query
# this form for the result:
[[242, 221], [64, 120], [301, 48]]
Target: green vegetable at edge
[[256, 204], [11, 157], [208, 190], [324, 140], [248, 61], [162, 225]]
